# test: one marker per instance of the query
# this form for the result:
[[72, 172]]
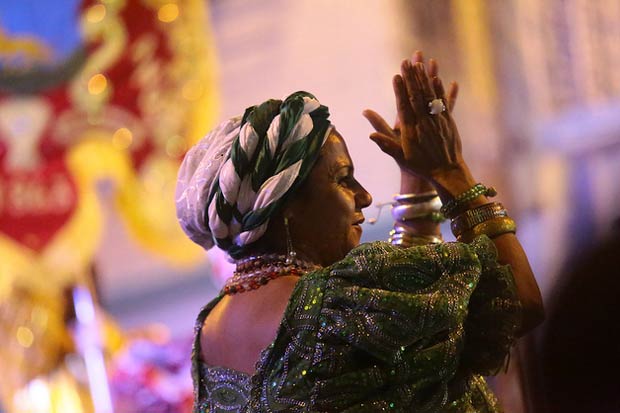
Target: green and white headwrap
[[238, 176]]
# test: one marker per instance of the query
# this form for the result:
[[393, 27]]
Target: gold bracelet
[[492, 228], [472, 217]]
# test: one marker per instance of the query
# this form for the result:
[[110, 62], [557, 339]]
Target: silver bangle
[[414, 198], [400, 229], [411, 211], [408, 235], [407, 240]]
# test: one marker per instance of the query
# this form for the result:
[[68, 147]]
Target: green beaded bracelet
[[461, 200]]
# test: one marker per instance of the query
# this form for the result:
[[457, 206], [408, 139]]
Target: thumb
[[377, 122], [387, 145]]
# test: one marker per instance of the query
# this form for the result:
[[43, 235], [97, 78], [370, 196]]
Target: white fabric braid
[[200, 167]]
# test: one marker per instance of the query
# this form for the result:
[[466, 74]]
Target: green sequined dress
[[385, 329]]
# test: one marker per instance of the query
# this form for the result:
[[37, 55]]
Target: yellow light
[[168, 12], [192, 90], [24, 336], [122, 138], [97, 84], [154, 181], [175, 146], [39, 317], [96, 13]]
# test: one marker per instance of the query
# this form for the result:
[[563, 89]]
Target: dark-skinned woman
[[311, 321]]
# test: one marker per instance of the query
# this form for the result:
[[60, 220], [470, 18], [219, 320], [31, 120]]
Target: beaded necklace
[[254, 272]]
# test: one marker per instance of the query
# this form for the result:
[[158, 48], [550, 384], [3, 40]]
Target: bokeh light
[[122, 138], [97, 84], [168, 12], [24, 336], [96, 13]]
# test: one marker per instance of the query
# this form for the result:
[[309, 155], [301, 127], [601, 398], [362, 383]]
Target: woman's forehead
[[335, 151]]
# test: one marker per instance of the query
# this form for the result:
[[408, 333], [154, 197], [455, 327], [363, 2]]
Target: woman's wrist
[[413, 184], [453, 182], [449, 183]]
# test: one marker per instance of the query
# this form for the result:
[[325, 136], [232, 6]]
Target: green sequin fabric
[[385, 329]]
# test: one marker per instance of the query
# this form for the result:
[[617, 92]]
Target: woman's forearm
[[510, 251]]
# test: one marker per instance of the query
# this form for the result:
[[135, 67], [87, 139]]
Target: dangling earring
[[290, 253], [380, 205]]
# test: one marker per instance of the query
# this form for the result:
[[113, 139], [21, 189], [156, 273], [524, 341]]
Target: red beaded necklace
[[254, 272]]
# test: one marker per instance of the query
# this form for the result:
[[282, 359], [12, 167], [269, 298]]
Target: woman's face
[[326, 212]]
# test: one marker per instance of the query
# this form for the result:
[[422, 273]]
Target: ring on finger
[[436, 106]]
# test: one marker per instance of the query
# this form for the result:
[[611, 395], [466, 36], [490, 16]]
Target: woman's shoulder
[[354, 332], [248, 322], [379, 264], [382, 249]]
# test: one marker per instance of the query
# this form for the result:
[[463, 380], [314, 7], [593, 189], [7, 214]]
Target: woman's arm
[[388, 139], [429, 148], [509, 249]]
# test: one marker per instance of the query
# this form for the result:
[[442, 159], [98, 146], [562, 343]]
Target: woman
[[310, 322]]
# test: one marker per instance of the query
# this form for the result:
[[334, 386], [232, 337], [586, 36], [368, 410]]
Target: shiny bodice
[[225, 390], [385, 329]]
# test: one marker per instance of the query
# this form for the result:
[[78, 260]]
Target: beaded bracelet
[[472, 217], [492, 228], [462, 199]]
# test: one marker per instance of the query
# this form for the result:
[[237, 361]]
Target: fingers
[[418, 56], [418, 88], [433, 73], [438, 87], [388, 145], [377, 122], [406, 113], [452, 94], [409, 82], [397, 124], [424, 81], [450, 100], [433, 68]]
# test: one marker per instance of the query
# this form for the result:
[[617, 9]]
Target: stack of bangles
[[489, 219], [409, 208]]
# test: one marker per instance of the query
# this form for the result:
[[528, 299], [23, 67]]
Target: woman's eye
[[346, 181]]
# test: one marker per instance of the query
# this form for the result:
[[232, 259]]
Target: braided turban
[[240, 174]]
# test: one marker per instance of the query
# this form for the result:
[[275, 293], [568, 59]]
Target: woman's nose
[[363, 199]]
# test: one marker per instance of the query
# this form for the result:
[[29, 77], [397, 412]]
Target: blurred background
[[99, 100]]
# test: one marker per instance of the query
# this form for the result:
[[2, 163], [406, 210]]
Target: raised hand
[[389, 138], [430, 143]]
